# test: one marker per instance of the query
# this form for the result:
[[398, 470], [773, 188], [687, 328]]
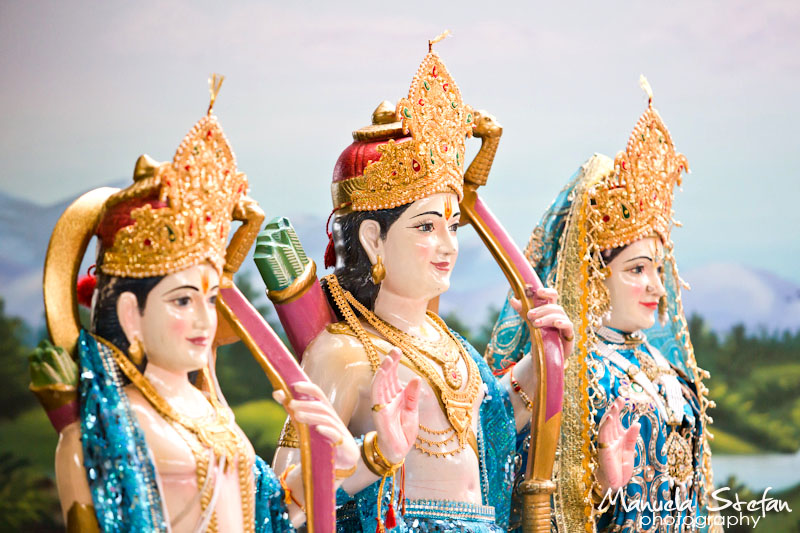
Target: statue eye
[[182, 301], [425, 226], [213, 300], [454, 227]]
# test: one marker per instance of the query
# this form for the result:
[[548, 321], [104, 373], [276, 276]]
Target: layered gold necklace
[[457, 403], [215, 433]]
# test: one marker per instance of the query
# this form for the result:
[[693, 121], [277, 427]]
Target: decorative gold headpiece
[[186, 206], [636, 199], [431, 161]]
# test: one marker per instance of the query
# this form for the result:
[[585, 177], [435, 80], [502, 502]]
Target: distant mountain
[[726, 294], [723, 294]]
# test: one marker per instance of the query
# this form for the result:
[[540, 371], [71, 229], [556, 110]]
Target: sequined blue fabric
[[649, 482], [496, 439], [271, 513], [118, 464], [511, 340]]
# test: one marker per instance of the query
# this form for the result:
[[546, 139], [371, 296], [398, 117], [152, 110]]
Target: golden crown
[[635, 200], [198, 190], [432, 161]]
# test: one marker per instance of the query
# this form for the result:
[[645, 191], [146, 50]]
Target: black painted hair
[[105, 321], [353, 267]]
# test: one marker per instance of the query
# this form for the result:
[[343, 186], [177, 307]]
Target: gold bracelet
[[371, 453], [518, 389], [342, 473]]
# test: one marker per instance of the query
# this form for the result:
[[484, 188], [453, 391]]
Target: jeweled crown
[[635, 200], [182, 210], [430, 161]]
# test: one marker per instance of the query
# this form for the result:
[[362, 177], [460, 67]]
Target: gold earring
[[378, 271], [136, 352]]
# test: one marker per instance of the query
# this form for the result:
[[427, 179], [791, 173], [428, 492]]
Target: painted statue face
[[180, 319], [420, 248], [635, 285]]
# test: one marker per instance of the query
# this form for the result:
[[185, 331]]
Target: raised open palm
[[395, 409], [616, 449]]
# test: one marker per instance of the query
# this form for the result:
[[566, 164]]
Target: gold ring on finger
[[378, 406]]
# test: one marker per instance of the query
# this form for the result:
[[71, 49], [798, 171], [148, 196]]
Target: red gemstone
[[208, 218], [623, 165], [445, 86], [208, 134], [433, 72], [415, 165], [187, 167], [147, 242], [444, 147], [420, 102], [606, 218]]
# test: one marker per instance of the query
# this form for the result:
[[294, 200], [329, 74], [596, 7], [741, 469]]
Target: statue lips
[[444, 266], [650, 305], [199, 341]]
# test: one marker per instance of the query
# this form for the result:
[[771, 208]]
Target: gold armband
[[81, 519], [288, 438]]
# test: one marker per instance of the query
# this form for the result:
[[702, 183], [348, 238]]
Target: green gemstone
[[454, 104], [625, 212], [469, 118], [171, 236], [406, 112], [427, 87]]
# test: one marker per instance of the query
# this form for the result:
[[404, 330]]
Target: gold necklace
[[457, 404], [217, 435], [440, 350]]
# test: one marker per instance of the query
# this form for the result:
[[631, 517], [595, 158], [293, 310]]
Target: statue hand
[[395, 409], [616, 449], [549, 314], [319, 413]]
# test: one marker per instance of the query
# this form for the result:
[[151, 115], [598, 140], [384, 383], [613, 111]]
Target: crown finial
[[385, 113], [214, 85], [436, 39], [145, 167], [645, 85]]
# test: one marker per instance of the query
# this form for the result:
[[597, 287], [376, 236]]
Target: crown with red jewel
[[400, 169], [635, 200], [177, 214]]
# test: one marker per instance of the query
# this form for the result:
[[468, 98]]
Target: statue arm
[[71, 481], [337, 365], [547, 314]]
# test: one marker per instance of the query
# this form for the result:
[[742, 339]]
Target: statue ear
[[129, 317], [369, 234]]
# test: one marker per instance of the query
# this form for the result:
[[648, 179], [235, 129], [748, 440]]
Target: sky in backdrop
[[88, 86]]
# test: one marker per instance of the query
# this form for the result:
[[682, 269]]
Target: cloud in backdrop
[[87, 87]]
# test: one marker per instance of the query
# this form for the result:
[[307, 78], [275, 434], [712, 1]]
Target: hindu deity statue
[[634, 450], [147, 441], [396, 191]]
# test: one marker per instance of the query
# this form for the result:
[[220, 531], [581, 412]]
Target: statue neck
[[173, 386], [406, 314]]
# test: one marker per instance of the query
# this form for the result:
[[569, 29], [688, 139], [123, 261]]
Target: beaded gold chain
[[217, 434], [457, 404]]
